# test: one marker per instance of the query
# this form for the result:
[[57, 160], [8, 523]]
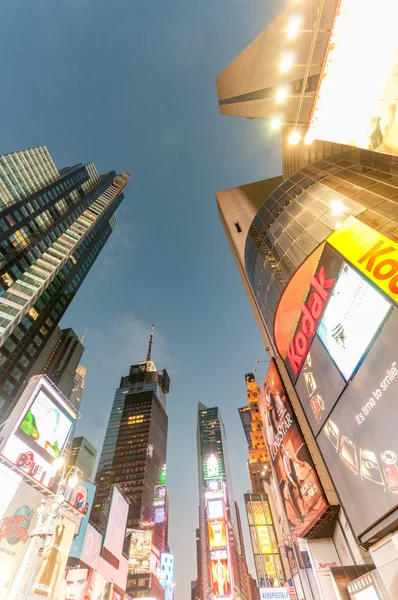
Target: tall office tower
[[269, 78], [53, 226], [134, 457], [78, 386], [258, 463], [82, 456], [59, 359], [221, 553]]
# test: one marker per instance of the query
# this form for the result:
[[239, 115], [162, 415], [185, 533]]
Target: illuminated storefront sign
[[356, 103], [298, 482], [140, 551], [214, 488], [279, 593], [221, 579], [217, 534]]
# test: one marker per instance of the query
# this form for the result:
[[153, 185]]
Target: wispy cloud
[[124, 238]]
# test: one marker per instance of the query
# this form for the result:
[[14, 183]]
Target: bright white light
[[337, 208], [286, 63], [294, 138], [73, 480], [275, 123], [308, 140], [294, 26], [281, 95], [58, 463]]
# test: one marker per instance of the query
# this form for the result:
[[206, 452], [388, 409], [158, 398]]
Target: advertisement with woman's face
[[300, 489]]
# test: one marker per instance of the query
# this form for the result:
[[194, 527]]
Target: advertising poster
[[17, 522], [116, 525], [217, 534], [140, 551], [304, 501], [81, 497], [9, 483], [91, 549], [366, 114], [77, 584], [220, 576], [53, 561], [45, 426], [264, 540], [359, 440], [319, 385]]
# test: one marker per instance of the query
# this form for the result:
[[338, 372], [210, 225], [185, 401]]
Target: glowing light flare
[[285, 63], [357, 99], [294, 138], [295, 22], [281, 95], [337, 207], [275, 123]]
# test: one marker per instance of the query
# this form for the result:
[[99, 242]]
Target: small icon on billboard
[[389, 460], [370, 467], [348, 454], [332, 433], [310, 383], [318, 406]]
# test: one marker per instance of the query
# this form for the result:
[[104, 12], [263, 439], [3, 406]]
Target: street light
[[51, 508]]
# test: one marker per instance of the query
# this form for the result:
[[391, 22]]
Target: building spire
[[148, 356], [83, 336]]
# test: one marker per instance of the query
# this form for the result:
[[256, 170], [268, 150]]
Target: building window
[[238, 227]]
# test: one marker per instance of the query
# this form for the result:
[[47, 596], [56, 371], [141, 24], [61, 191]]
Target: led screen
[[215, 509], [159, 515], [214, 487], [217, 534], [351, 319], [160, 491], [221, 579], [140, 551], [46, 426], [359, 440]]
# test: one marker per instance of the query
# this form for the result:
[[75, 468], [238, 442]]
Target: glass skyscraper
[[53, 225], [222, 564], [134, 458]]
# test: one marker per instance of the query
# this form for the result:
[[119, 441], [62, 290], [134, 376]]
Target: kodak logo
[[310, 314]]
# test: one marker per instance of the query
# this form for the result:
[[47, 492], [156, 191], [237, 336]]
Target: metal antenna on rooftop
[[83, 336], [148, 356]]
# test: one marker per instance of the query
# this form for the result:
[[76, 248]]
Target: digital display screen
[[221, 580], [214, 487], [359, 440], [351, 319], [45, 426], [215, 509], [217, 534]]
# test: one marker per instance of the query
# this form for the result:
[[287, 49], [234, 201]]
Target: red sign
[[311, 313]]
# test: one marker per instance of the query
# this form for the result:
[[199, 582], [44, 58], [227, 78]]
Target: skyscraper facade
[[134, 457], [59, 359], [53, 225], [78, 386], [82, 456], [222, 560]]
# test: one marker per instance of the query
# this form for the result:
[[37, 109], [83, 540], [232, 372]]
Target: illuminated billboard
[[160, 491], [91, 549], [45, 426], [357, 97], [159, 515], [215, 509], [162, 476], [116, 525], [140, 551], [81, 497], [351, 319], [166, 570], [214, 488], [50, 570], [221, 578], [298, 482], [359, 440], [211, 466], [17, 521], [217, 534], [37, 430]]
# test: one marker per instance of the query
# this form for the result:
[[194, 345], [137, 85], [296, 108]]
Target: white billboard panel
[[116, 526]]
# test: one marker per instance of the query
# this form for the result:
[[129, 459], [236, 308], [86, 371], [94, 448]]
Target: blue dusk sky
[[130, 85]]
